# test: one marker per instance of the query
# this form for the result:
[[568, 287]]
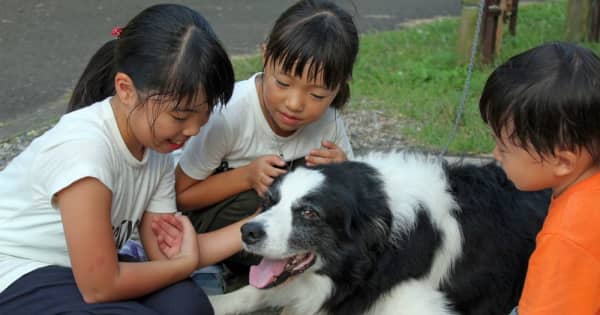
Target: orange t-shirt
[[563, 276]]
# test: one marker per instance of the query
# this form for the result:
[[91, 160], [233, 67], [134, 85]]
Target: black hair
[[550, 96], [169, 51], [318, 34]]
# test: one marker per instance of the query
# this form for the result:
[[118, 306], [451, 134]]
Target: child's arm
[[85, 208], [258, 175], [214, 246]]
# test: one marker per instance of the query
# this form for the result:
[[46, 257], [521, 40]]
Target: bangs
[[315, 43], [523, 111]]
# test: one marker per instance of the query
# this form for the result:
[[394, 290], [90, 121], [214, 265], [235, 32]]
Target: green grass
[[413, 75]]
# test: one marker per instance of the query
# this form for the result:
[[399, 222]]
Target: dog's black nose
[[252, 232]]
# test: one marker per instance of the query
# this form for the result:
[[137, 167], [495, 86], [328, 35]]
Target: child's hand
[[177, 238], [189, 243], [169, 234], [329, 153], [262, 172]]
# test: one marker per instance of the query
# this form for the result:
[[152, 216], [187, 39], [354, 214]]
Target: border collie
[[391, 233]]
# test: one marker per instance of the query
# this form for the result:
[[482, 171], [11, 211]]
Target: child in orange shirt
[[543, 107]]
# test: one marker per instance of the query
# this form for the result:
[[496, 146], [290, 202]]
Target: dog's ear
[[369, 217], [367, 220], [374, 225], [365, 239]]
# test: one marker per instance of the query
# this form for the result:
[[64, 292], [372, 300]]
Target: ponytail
[[97, 80], [167, 50]]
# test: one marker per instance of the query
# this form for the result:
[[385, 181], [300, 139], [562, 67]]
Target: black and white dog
[[396, 233]]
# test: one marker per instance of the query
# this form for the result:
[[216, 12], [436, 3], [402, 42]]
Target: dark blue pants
[[52, 290]]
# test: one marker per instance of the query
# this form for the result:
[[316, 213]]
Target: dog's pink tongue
[[266, 272]]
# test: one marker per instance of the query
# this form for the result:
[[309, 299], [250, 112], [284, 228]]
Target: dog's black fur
[[499, 224]]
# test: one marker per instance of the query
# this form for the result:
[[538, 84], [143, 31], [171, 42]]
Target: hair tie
[[116, 31]]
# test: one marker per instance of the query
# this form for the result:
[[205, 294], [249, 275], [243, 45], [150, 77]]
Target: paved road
[[44, 44]]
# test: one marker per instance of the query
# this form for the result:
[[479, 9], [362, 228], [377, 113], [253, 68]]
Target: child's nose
[[295, 102], [192, 129]]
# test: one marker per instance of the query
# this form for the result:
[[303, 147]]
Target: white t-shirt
[[84, 143], [239, 133]]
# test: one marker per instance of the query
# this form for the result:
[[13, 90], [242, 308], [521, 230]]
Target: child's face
[[290, 102], [167, 130], [528, 171]]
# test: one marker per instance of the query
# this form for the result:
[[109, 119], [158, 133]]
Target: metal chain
[[461, 107]]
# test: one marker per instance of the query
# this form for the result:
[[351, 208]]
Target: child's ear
[[125, 90], [565, 162]]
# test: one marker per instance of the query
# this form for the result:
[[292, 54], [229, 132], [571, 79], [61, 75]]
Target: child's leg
[[52, 290], [224, 213], [183, 298]]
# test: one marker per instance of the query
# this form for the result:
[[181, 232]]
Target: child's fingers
[[263, 185], [162, 224], [318, 156], [156, 229], [275, 160], [316, 160], [261, 191], [265, 181], [274, 172], [166, 250], [171, 219], [169, 231], [329, 145], [322, 153], [169, 240]]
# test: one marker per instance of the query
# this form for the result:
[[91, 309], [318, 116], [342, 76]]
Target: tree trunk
[[579, 20]]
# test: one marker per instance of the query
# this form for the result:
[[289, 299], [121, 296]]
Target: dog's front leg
[[244, 300]]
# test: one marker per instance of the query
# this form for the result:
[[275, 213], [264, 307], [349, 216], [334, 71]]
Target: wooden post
[[513, 17], [466, 31], [491, 13], [495, 14], [594, 34], [504, 7], [579, 20]]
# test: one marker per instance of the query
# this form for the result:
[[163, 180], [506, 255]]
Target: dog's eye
[[310, 214]]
